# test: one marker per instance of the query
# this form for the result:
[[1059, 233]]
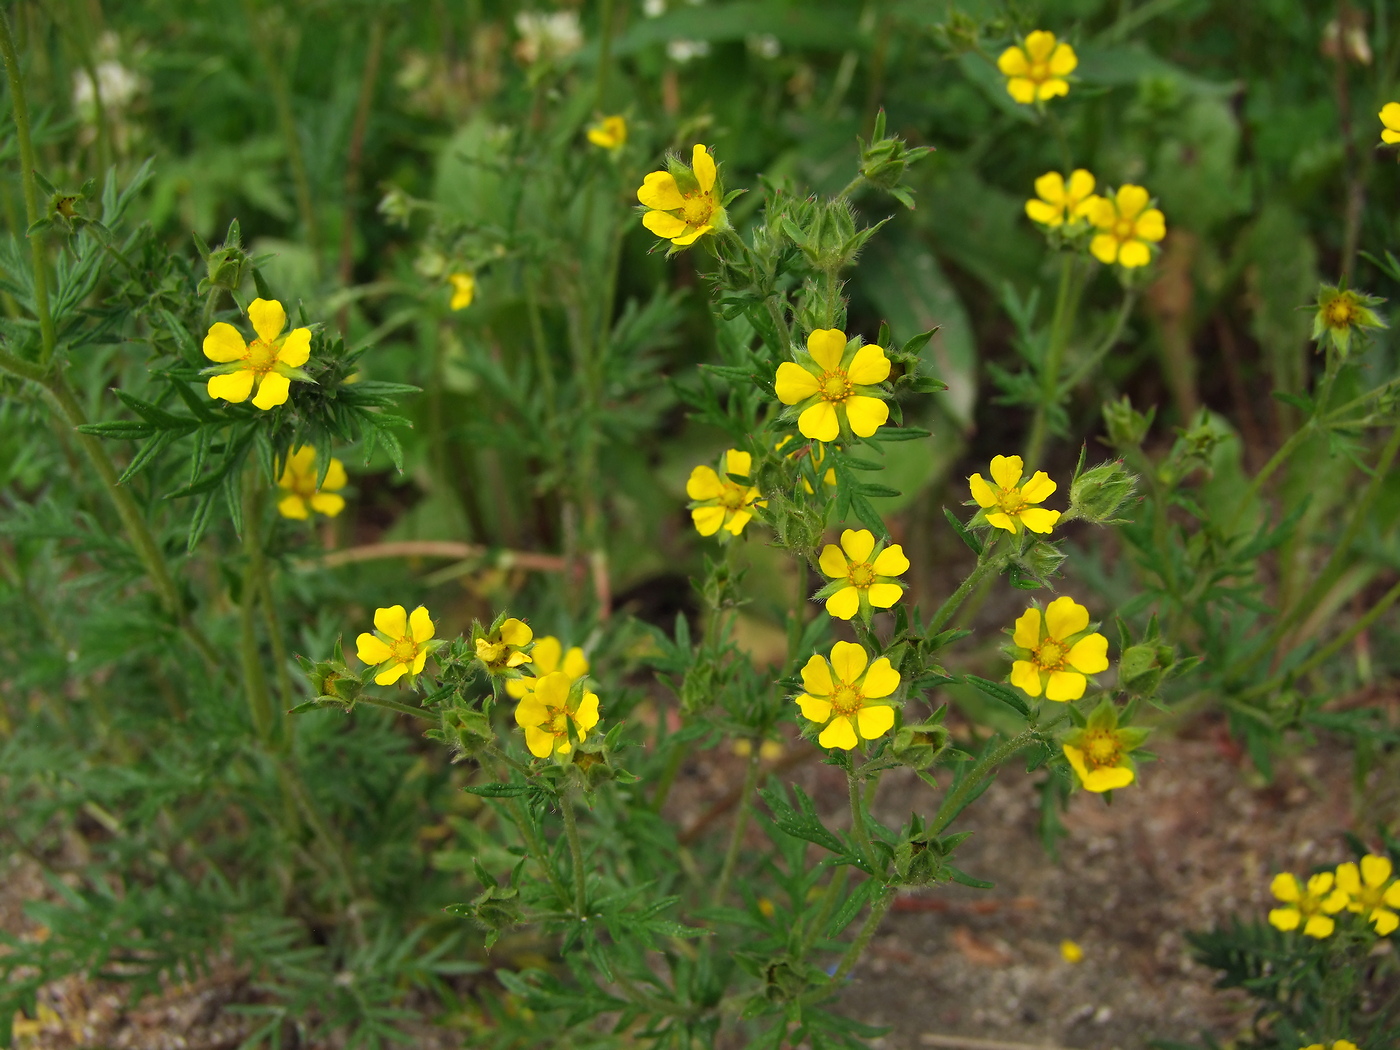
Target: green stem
[[851, 187], [956, 799], [274, 635], [1050, 367], [1275, 461], [395, 706], [830, 896], [254, 678], [47, 334], [867, 931], [985, 564], [576, 852], [540, 345], [604, 53], [858, 826], [537, 849], [1110, 341], [674, 761], [741, 822], [496, 752]]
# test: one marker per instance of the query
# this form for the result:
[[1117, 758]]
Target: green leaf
[[498, 790], [997, 691]]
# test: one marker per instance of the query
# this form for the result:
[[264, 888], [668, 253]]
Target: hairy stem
[[576, 852], [955, 801], [741, 822], [867, 931], [858, 825], [1050, 366], [986, 563]]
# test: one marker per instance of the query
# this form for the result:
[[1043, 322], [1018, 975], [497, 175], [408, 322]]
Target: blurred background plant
[[508, 370]]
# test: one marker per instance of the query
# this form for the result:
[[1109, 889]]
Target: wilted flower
[[1340, 312], [506, 647]]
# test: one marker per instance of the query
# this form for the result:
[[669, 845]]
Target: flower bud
[[1099, 494], [1126, 426], [1142, 667], [226, 263], [918, 746]]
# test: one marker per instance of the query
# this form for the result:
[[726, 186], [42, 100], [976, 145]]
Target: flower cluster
[[1367, 889]]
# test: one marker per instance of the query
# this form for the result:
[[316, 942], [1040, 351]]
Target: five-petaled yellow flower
[[1055, 652], [610, 133], [1037, 72], [1126, 230], [835, 380], [270, 362], [719, 502], [684, 202], [1390, 117], [1311, 907], [547, 657], [1372, 892], [551, 709], [1008, 504], [840, 693], [505, 648], [1340, 1044], [400, 645], [300, 493], [1058, 202], [861, 580], [463, 290], [1099, 753]]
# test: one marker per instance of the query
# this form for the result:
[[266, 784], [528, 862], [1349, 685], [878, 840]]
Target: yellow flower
[[548, 711], [1340, 1044], [1342, 311], [610, 133], [684, 202], [301, 496], [818, 457], [1372, 892], [1057, 202], [1037, 72], [1099, 752], [400, 644], [270, 362], [1125, 227], [1070, 952], [1012, 500], [1390, 117], [1057, 651], [839, 695], [505, 647], [547, 657], [860, 580], [463, 290], [835, 380], [719, 502], [1311, 907]]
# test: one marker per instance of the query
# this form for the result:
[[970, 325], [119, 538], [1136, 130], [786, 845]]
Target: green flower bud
[[918, 746], [1126, 426], [1099, 494], [226, 263]]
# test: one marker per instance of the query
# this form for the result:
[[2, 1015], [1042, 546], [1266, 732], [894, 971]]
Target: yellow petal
[[981, 491], [1025, 677], [1064, 617], [816, 676], [390, 675], [736, 462], [518, 687], [1063, 60], [881, 679], [419, 661], [371, 651], [663, 224], [296, 348], [335, 477], [1089, 655], [392, 621], [891, 561], [1050, 187], [1285, 919], [819, 422], [327, 503], [1003, 521], [844, 604], [794, 383], [690, 237], [847, 661], [865, 414], [1039, 45], [272, 391], [575, 663], [1151, 225], [707, 519], [737, 521], [1375, 871], [516, 632], [858, 543], [1390, 115], [827, 346], [869, 366], [1048, 89], [235, 387], [874, 721], [223, 344], [547, 653], [1065, 685], [1134, 254], [1007, 470], [1027, 633], [1131, 200], [1081, 184], [1104, 247], [268, 318], [1320, 885], [659, 190], [586, 717], [1101, 212], [839, 734], [1285, 887], [833, 562], [1021, 90], [421, 625], [1107, 779], [1390, 137], [884, 595], [1348, 879], [1013, 62], [1045, 214], [1386, 923], [704, 167], [540, 743], [1076, 761], [703, 483], [814, 708], [1039, 488], [293, 507], [1040, 520], [463, 290], [1319, 926]]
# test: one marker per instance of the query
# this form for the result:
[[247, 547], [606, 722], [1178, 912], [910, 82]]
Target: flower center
[[1102, 749], [557, 723], [1338, 313], [404, 650], [835, 385], [698, 209], [1123, 229], [846, 700], [862, 575], [1010, 501], [1039, 71], [1051, 655], [731, 496], [261, 356]]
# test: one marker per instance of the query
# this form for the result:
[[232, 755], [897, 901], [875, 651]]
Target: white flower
[[684, 50], [117, 84], [547, 36], [653, 8]]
